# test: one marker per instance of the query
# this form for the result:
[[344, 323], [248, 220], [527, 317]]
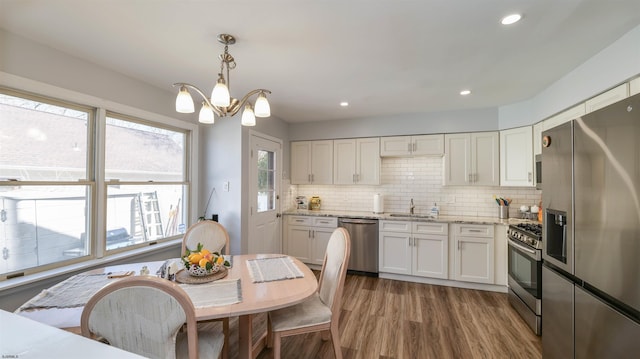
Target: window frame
[[96, 217]]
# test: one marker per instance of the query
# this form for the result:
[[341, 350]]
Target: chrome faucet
[[411, 206]]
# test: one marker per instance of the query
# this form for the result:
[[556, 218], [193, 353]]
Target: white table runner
[[272, 269], [216, 293]]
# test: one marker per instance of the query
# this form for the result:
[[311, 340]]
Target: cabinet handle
[[309, 234], [313, 233], [415, 146], [476, 230], [299, 220], [469, 180], [530, 175], [309, 178], [459, 245]]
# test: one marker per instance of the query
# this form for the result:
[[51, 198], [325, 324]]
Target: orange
[[204, 252]]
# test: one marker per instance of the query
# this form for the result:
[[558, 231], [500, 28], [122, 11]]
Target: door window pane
[[266, 181], [42, 141], [41, 225]]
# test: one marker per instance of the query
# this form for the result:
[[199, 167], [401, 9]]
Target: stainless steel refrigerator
[[591, 235]]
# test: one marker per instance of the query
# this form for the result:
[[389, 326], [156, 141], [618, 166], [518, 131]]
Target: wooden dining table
[[256, 298]]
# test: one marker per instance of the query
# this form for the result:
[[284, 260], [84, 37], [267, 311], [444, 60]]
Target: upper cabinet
[[356, 161], [516, 157], [564, 116], [472, 159], [312, 162], [634, 86], [425, 145], [605, 99]]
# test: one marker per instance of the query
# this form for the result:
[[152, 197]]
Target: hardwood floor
[[383, 318]]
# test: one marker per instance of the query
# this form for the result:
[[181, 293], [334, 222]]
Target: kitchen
[[401, 178]]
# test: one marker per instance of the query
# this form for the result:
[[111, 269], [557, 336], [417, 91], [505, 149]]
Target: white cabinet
[[356, 161], [607, 98], [516, 157], [425, 145], [312, 162], [537, 138], [414, 248], [634, 86], [564, 116], [472, 253], [307, 237], [472, 159]]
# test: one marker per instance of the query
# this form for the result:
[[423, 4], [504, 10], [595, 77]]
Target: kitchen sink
[[407, 215], [401, 215]]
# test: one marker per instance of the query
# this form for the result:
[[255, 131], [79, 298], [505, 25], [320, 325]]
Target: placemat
[[272, 269], [73, 292], [184, 277], [218, 293]]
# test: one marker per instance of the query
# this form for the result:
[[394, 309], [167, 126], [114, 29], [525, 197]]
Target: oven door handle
[[532, 253]]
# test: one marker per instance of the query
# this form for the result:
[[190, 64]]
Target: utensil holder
[[503, 212]]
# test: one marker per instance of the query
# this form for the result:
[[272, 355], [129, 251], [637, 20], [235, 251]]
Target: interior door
[[264, 186]]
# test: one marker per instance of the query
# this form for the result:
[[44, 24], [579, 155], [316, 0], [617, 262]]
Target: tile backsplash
[[420, 178]]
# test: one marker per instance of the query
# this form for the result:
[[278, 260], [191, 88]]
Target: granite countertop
[[414, 218]]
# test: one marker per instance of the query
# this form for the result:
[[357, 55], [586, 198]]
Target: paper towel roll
[[378, 203]]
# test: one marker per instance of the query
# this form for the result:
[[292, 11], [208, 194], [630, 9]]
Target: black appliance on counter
[[525, 272], [591, 235]]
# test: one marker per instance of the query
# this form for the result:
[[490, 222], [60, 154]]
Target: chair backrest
[[334, 270], [211, 234], [141, 314]]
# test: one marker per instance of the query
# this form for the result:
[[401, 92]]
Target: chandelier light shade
[[262, 106], [248, 117], [221, 103], [206, 113], [184, 102]]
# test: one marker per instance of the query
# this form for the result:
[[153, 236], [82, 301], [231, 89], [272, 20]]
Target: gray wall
[[437, 122], [613, 65]]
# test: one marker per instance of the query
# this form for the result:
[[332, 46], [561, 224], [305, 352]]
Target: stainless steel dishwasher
[[364, 245]]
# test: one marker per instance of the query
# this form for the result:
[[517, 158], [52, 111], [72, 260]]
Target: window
[[79, 182], [146, 181], [46, 183], [266, 181]]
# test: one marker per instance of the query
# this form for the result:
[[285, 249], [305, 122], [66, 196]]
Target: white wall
[[613, 65]]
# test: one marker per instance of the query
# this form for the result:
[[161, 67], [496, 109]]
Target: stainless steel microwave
[[538, 171]]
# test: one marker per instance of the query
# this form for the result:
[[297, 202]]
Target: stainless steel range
[[525, 272]]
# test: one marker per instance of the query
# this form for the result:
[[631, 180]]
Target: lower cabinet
[[414, 248], [307, 237], [472, 253]]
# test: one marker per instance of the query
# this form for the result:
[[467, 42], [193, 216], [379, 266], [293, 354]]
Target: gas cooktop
[[527, 233]]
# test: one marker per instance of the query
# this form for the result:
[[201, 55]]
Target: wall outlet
[[226, 186]]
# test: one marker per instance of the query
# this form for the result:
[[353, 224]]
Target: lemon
[[220, 260], [195, 258], [203, 262], [204, 252]]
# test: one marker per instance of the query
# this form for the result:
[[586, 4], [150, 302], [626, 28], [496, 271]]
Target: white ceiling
[[383, 56]]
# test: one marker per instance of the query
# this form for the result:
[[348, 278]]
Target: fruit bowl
[[197, 271], [202, 262]]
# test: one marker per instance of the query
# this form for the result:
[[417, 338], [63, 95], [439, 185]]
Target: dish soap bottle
[[435, 210]]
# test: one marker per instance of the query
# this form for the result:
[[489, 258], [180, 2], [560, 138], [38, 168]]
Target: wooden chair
[[215, 238], [321, 312], [211, 234], [144, 315]]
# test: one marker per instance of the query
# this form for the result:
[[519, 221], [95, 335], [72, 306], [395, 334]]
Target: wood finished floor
[[384, 318]]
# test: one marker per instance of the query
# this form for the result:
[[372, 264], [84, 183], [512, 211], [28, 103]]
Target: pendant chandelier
[[220, 102]]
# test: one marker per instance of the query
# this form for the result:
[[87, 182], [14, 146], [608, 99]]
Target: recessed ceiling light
[[465, 92], [511, 19], [344, 104]]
